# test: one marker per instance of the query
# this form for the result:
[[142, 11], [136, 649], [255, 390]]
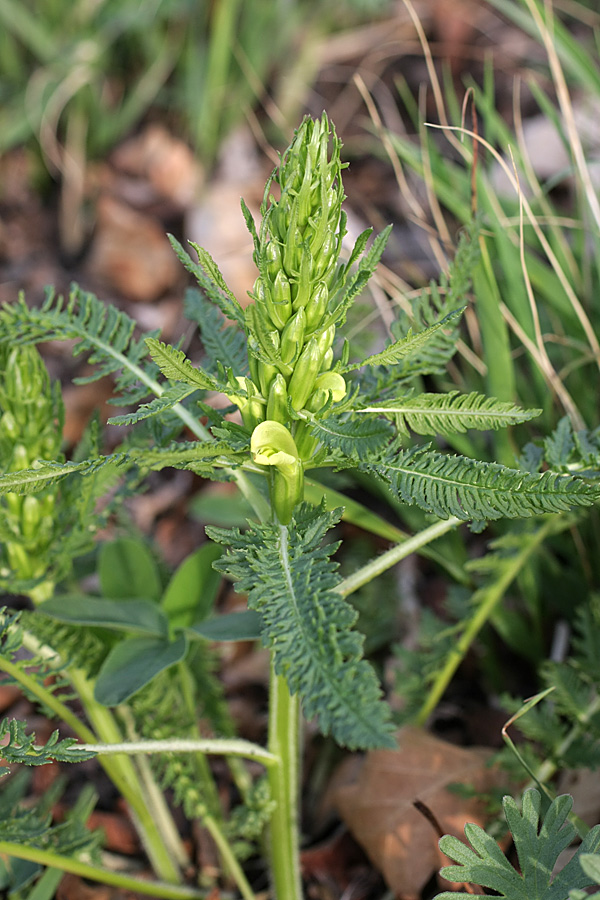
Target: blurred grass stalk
[[534, 339], [75, 78], [539, 274]]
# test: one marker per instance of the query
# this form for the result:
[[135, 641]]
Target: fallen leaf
[[379, 807], [131, 253], [165, 161]]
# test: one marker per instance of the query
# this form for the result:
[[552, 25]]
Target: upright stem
[[284, 781]]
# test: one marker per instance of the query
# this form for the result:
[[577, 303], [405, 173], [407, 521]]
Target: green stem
[[392, 556], [156, 800], [486, 600], [284, 743], [47, 698], [217, 746], [95, 873], [126, 779], [230, 863]]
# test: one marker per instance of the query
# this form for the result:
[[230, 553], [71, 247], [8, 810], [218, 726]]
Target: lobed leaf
[[291, 582], [175, 365], [173, 395], [224, 344], [103, 331], [355, 438], [210, 279], [539, 841]]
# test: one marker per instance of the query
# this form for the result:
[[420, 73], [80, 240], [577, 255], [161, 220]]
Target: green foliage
[[408, 346], [20, 747], [469, 489], [538, 839], [308, 631], [446, 414], [103, 331]]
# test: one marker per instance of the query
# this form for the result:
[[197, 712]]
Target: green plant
[[284, 364], [539, 839]]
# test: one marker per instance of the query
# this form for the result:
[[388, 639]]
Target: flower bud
[[317, 305], [31, 515], [266, 374], [327, 361], [292, 338], [277, 400], [305, 441], [273, 258], [303, 286], [333, 383], [304, 374], [9, 426], [280, 306]]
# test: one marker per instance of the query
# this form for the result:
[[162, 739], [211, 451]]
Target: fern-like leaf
[[103, 331], [210, 280], [224, 344], [407, 346], [446, 414], [367, 265], [197, 456], [175, 365], [173, 395], [291, 582], [21, 748], [29, 481], [469, 489], [355, 438], [538, 840]]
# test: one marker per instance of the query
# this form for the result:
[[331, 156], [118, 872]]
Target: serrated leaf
[[450, 485], [237, 626], [356, 439], [20, 747], [405, 346], [539, 841], [101, 330], [132, 664], [44, 474], [366, 267], [141, 616], [560, 444], [216, 290], [290, 582], [175, 365], [197, 456], [224, 344], [173, 395], [451, 413]]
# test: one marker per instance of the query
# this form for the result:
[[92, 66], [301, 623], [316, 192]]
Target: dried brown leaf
[[379, 806]]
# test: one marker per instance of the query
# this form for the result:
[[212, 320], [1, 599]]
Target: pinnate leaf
[[291, 581], [450, 413]]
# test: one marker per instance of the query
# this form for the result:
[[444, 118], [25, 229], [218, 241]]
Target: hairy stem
[[392, 556], [284, 743]]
